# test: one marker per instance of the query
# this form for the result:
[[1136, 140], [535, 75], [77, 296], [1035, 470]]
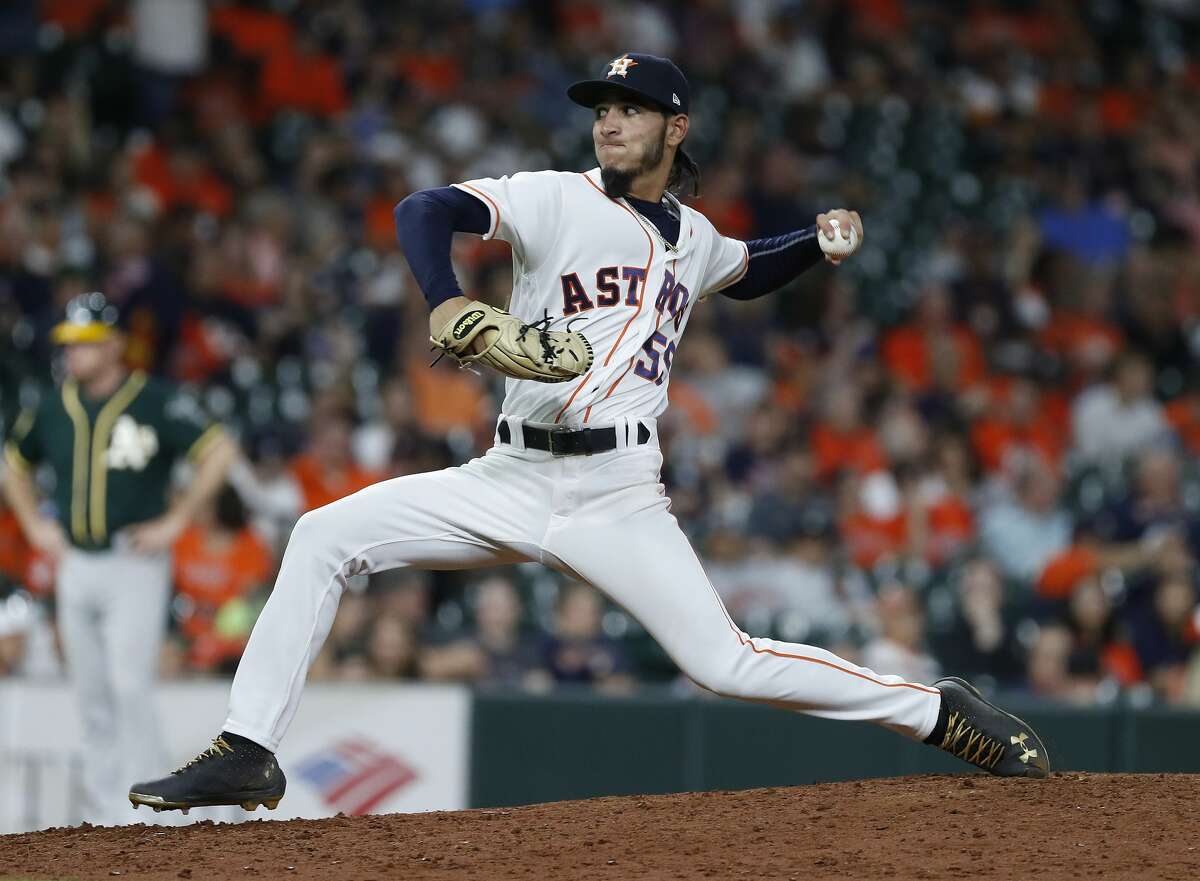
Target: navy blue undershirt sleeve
[[776, 261], [426, 222]]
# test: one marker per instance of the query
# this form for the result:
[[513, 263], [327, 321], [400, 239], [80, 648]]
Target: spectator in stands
[[1099, 648], [912, 349], [1154, 502], [941, 524], [406, 594], [1166, 634], [326, 471], [900, 646], [1022, 534], [1114, 420], [872, 520], [497, 652], [269, 490], [390, 653], [1049, 668], [1018, 421], [981, 639], [578, 652], [346, 645], [219, 563], [1081, 330], [373, 443], [791, 501], [842, 440], [792, 575], [1090, 230]]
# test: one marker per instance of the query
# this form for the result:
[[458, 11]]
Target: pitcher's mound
[[1071, 826]]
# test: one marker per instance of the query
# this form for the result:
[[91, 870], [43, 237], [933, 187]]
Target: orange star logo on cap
[[620, 66]]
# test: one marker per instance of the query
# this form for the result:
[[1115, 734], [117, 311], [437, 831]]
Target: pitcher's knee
[[714, 672], [310, 525], [317, 533]]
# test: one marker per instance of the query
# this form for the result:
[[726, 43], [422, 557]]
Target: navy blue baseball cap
[[646, 77]]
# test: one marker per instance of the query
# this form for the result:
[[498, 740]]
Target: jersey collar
[[685, 220]]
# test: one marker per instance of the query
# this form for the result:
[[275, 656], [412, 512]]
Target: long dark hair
[[684, 179]]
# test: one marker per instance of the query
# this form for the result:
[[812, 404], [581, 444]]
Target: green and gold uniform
[[112, 458]]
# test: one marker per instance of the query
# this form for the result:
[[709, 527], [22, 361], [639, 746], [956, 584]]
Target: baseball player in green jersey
[[111, 438]]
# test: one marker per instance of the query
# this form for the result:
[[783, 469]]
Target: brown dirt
[[1072, 826]]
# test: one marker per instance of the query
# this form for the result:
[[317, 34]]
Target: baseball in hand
[[843, 243]]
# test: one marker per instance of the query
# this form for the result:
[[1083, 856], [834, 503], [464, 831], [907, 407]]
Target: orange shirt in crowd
[[869, 539], [1081, 338], [856, 450], [993, 439], [1066, 569], [906, 353], [437, 75], [446, 400], [14, 549], [212, 576], [951, 527], [731, 217], [302, 82], [253, 32], [380, 223], [1120, 110], [319, 485], [201, 190], [1122, 663], [73, 16], [685, 399], [198, 354], [886, 16], [1184, 416]]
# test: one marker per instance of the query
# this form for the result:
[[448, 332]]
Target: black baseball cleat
[[233, 771], [983, 734]]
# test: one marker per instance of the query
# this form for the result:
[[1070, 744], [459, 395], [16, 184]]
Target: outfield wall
[[526, 750]]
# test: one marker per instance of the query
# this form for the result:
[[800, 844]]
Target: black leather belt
[[569, 442]]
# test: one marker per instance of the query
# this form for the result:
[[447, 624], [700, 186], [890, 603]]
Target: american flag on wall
[[354, 775]]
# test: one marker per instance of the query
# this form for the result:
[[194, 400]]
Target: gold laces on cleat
[[220, 746], [971, 745]]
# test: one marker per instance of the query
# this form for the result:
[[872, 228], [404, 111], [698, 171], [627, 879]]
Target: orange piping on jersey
[[612, 388], [749, 642], [582, 383], [496, 208], [740, 275], [645, 281]]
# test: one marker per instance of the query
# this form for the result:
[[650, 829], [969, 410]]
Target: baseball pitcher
[[608, 267]]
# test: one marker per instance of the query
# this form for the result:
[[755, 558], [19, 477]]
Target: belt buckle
[[550, 433]]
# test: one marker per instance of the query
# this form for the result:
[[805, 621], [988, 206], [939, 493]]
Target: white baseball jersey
[[595, 264]]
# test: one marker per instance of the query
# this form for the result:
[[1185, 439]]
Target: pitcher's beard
[[617, 181]]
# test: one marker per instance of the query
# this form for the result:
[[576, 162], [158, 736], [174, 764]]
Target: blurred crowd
[[970, 449]]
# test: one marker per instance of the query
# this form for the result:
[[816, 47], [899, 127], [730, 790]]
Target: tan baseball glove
[[483, 334]]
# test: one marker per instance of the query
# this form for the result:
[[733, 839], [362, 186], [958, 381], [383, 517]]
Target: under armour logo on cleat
[[1026, 752]]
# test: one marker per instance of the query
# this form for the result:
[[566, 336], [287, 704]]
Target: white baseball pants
[[604, 519], [112, 617]]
